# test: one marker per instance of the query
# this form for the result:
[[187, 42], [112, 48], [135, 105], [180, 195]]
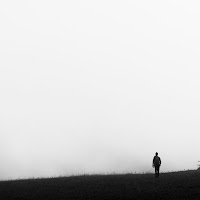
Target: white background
[[98, 86]]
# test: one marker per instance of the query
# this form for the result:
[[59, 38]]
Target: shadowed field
[[169, 186]]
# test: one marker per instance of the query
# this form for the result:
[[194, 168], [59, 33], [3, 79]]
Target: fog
[[98, 87]]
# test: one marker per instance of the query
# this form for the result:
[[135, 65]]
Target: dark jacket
[[156, 161]]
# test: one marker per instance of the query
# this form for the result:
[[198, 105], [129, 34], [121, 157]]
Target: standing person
[[156, 164]]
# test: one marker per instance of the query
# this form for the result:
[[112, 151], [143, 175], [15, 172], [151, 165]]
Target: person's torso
[[156, 160]]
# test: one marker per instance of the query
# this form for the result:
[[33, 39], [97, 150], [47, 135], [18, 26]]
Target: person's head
[[156, 153]]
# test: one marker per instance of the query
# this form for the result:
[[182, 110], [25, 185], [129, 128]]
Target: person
[[156, 164]]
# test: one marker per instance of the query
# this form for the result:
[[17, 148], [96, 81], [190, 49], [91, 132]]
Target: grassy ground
[[169, 186]]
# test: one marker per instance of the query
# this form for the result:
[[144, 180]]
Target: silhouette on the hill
[[156, 164]]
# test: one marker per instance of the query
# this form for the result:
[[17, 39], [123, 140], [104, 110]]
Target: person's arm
[[153, 161], [160, 161]]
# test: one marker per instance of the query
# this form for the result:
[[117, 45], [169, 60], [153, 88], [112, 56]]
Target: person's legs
[[156, 171]]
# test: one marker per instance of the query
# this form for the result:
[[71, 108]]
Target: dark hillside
[[169, 186]]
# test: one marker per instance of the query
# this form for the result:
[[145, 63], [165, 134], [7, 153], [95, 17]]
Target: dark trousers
[[157, 168]]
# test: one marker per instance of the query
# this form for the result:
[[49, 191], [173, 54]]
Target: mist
[[98, 87]]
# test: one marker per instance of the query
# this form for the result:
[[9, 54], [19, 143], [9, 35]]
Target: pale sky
[[98, 86]]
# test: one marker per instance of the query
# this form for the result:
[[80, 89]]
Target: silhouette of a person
[[156, 164]]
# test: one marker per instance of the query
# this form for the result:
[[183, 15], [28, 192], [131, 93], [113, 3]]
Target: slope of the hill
[[176, 185]]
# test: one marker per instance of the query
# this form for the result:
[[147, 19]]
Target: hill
[[169, 186]]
